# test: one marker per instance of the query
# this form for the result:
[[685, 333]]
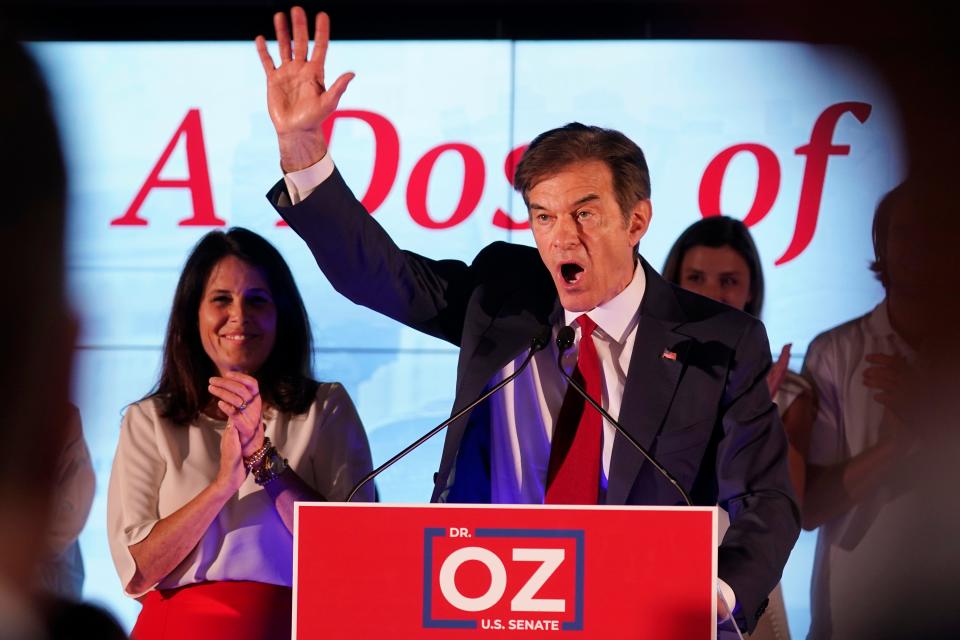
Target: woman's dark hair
[[714, 232], [285, 378]]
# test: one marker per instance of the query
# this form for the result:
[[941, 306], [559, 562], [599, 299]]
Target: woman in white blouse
[[209, 465]]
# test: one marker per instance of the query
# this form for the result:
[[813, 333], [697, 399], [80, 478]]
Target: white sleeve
[[793, 386], [826, 434], [133, 494], [339, 449], [728, 595], [300, 184]]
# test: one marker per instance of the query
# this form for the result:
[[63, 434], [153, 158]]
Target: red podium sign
[[496, 571]]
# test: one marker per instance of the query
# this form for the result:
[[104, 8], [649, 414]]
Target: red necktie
[[573, 476]]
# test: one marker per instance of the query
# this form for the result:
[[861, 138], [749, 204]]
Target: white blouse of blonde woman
[[181, 507]]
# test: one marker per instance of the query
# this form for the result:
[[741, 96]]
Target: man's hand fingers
[[880, 371], [265, 58], [336, 91], [301, 39], [321, 38], [283, 35], [880, 383], [884, 359]]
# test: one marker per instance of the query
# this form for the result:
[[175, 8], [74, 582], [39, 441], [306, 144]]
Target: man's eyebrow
[[587, 198]]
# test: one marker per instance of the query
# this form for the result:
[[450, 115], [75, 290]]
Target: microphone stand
[[538, 344]]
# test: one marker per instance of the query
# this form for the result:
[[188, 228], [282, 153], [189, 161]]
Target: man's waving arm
[[297, 98], [354, 252]]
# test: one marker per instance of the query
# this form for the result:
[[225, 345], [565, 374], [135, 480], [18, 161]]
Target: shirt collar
[[878, 321], [878, 325], [615, 316]]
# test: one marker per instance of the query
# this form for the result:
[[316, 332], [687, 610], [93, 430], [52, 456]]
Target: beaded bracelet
[[272, 467], [254, 461]]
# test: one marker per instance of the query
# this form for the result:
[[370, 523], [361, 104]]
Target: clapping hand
[[232, 472], [240, 400], [778, 371]]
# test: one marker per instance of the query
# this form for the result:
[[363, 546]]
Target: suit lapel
[[510, 332], [651, 382]]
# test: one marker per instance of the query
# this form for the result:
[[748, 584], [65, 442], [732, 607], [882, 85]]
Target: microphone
[[565, 339], [538, 343]]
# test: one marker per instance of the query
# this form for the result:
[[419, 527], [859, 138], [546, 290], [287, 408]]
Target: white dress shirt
[[851, 566], [524, 413]]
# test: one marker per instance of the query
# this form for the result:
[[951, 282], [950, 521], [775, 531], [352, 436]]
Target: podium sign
[[497, 571]]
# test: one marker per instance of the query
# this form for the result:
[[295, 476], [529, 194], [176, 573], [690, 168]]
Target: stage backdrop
[[167, 141]]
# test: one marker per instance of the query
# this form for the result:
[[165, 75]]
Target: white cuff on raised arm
[[300, 184], [727, 592]]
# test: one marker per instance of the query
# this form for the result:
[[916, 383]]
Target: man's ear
[[639, 220]]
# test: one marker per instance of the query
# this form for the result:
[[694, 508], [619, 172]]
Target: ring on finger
[[243, 405]]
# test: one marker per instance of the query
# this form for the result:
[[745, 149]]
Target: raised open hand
[[297, 98]]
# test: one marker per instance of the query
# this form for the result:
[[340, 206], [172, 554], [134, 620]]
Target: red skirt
[[215, 610]]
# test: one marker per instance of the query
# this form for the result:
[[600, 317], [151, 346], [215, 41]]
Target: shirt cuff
[[728, 595], [300, 184]]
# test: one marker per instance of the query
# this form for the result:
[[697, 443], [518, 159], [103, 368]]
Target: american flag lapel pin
[[669, 355]]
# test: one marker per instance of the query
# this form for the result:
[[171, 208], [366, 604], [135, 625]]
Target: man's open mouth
[[570, 272]]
